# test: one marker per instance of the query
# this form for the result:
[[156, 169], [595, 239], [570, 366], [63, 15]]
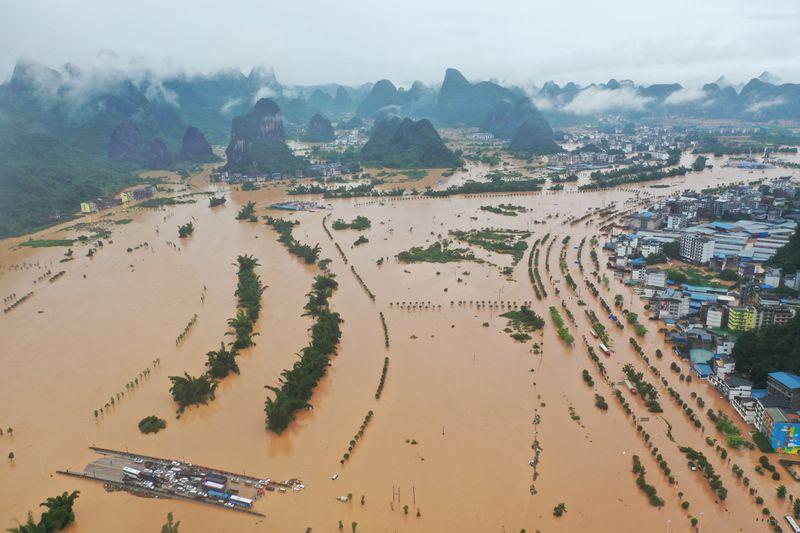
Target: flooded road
[[453, 430]]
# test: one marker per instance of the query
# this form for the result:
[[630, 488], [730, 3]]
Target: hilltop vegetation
[[258, 143], [57, 150], [788, 256], [774, 348], [523, 125], [319, 129], [534, 136], [404, 143], [65, 138], [463, 103]]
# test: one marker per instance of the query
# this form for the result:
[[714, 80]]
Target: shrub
[[152, 424]]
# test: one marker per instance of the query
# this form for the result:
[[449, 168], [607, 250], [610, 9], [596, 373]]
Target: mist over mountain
[[73, 133], [758, 100]]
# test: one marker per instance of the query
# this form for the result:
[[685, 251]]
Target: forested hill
[[405, 143]]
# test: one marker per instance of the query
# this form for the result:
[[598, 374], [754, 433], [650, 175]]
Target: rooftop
[[735, 382], [770, 401], [791, 381]]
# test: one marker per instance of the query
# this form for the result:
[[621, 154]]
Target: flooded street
[[453, 431]]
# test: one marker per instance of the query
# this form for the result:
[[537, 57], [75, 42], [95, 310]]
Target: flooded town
[[467, 305]]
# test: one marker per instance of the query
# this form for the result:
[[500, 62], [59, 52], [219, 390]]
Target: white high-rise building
[[696, 248]]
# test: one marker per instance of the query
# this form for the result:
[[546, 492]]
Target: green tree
[[242, 326], [222, 361], [788, 256], [671, 249], [728, 275], [152, 424], [189, 390], [170, 526], [29, 527], [59, 510], [699, 163]]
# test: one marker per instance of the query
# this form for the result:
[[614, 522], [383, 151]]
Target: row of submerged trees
[[297, 384], [188, 390], [284, 228], [129, 387]]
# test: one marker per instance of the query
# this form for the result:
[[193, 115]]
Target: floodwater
[[471, 398]]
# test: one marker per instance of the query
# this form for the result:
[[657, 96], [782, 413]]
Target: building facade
[[742, 318], [696, 248]]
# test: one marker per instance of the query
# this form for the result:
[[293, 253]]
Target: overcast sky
[[353, 41]]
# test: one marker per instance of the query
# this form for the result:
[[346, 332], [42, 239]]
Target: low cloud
[[108, 73], [230, 104], [543, 104], [689, 95], [765, 104], [264, 92], [593, 100], [156, 91]]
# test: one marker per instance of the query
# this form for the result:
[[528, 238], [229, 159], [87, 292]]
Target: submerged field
[[472, 429]]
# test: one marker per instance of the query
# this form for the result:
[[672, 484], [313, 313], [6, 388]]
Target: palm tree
[[187, 390], [222, 361], [59, 510], [170, 527], [242, 327], [29, 527]]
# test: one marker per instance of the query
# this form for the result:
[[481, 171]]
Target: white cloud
[[230, 104], [688, 95], [594, 100], [107, 73], [542, 104], [765, 104], [156, 91], [264, 92]]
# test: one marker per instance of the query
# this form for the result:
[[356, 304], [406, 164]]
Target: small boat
[[335, 477]]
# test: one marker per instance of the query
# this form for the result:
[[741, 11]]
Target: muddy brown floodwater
[[468, 395]]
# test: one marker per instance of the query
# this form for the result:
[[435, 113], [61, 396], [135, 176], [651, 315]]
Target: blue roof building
[[791, 381], [702, 369], [785, 386]]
